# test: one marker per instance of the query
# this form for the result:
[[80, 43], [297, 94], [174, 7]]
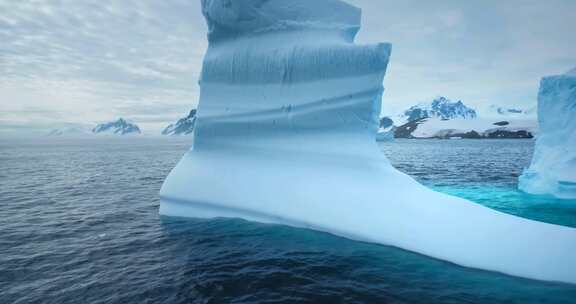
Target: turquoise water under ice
[[483, 171], [79, 224], [510, 200]]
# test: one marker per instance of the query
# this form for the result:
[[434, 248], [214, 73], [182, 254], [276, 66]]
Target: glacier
[[553, 167], [285, 134]]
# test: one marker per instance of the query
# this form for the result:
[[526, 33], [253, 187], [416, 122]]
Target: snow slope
[[553, 167], [285, 133]]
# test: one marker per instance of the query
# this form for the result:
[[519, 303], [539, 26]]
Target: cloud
[[38, 102], [482, 52], [94, 60]]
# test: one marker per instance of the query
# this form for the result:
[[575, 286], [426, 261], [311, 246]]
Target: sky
[[90, 61]]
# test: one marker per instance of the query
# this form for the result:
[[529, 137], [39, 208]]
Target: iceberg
[[553, 167], [285, 134]]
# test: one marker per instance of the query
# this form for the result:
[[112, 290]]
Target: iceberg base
[[363, 197]]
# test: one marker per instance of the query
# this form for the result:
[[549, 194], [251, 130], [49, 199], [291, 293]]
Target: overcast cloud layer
[[88, 61]]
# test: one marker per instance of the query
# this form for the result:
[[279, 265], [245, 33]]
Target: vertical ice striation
[[285, 132], [284, 69], [553, 167]]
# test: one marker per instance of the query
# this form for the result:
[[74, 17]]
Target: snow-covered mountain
[[443, 118], [118, 127], [183, 126], [441, 107]]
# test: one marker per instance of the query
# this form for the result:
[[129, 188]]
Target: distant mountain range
[[117, 127], [121, 126], [184, 126], [443, 118]]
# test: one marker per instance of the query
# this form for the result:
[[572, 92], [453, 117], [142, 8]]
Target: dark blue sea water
[[79, 224]]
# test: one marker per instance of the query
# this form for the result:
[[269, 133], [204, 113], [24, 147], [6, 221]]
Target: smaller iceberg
[[553, 167], [118, 127], [184, 126]]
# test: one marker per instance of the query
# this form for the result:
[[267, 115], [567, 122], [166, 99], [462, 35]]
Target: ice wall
[[553, 167], [285, 133]]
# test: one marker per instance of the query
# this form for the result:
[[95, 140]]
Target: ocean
[[79, 223]]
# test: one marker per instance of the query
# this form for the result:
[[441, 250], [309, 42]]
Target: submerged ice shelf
[[285, 133], [553, 167]]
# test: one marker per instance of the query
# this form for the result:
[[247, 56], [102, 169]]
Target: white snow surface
[[553, 167], [285, 134]]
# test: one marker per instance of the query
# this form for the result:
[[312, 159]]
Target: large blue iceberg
[[285, 132], [553, 167]]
